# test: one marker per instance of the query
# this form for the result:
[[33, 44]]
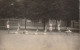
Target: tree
[[40, 9]]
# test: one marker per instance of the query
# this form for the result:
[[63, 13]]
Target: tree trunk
[[44, 25], [67, 24], [56, 25], [25, 23]]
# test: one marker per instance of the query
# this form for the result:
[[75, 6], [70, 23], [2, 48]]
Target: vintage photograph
[[39, 25]]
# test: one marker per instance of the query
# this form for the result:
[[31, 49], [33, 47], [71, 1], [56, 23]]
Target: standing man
[[8, 26], [50, 28], [59, 26], [18, 29]]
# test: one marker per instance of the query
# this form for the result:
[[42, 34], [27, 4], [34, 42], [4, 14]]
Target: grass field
[[40, 41]]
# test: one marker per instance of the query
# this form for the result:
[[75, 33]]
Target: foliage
[[39, 9]]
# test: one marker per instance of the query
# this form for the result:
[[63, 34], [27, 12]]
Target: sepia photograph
[[39, 25]]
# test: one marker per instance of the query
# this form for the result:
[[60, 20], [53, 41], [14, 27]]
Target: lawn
[[40, 41]]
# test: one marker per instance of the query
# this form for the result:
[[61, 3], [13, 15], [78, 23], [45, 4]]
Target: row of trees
[[40, 9]]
